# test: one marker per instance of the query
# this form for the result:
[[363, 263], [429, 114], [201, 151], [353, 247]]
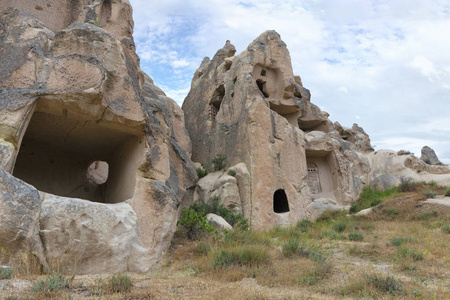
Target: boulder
[[218, 222], [429, 156]]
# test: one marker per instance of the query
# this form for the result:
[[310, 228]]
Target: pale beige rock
[[74, 97], [84, 237], [253, 110], [218, 222], [387, 168]]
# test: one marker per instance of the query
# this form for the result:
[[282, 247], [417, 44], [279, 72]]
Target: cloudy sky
[[384, 64]]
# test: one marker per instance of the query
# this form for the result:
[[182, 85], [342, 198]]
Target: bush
[[429, 193], [120, 283], [242, 256], [216, 208], [304, 225], [231, 172], [447, 191], [340, 226], [446, 228], [355, 236], [203, 248], [6, 272], [290, 248], [53, 283], [386, 284], [195, 223], [407, 184], [428, 214], [219, 162], [201, 172]]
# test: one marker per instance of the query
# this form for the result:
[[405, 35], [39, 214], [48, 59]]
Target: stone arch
[[280, 202], [105, 12]]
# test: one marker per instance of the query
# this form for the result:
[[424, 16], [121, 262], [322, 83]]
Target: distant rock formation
[[253, 110], [429, 156], [102, 152]]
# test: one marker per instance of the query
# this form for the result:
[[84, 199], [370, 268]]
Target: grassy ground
[[398, 251]]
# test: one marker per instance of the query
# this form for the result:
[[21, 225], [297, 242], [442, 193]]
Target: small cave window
[[216, 101], [105, 12], [280, 202], [313, 178], [263, 72], [213, 111], [97, 172], [262, 87]]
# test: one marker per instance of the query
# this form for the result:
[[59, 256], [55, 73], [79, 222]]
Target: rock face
[[429, 156], [253, 110], [83, 125]]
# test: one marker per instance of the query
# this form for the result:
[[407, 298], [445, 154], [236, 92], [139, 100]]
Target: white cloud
[[394, 62], [179, 63]]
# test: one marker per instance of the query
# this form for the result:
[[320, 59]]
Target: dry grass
[[403, 254]]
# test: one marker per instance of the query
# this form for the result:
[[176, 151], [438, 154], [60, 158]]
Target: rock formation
[[429, 156], [253, 110], [102, 152]]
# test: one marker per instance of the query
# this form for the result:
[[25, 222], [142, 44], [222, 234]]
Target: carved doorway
[[313, 178]]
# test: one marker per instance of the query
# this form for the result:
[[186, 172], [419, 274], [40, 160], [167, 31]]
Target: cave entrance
[[280, 202], [63, 154]]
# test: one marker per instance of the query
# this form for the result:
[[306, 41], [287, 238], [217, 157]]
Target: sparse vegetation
[[201, 172], [371, 198], [407, 184], [429, 193], [447, 192], [120, 283], [194, 223], [231, 172], [219, 162], [53, 283], [401, 249], [6, 273]]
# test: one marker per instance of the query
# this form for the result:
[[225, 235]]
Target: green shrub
[[203, 248], [340, 226], [120, 283], [428, 214], [387, 284], [447, 191], [429, 193], [304, 225], [446, 228], [52, 283], [407, 184], [231, 172], [290, 248], [219, 162], [195, 223], [242, 256], [201, 172], [216, 208], [355, 236], [6, 272], [399, 241]]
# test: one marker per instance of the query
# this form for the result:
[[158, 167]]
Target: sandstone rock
[[84, 237], [19, 215], [387, 168], [253, 110], [429, 156], [218, 222], [72, 95]]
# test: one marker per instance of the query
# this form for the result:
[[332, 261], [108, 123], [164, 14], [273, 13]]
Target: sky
[[383, 64]]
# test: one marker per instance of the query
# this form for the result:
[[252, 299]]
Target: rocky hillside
[[96, 162]]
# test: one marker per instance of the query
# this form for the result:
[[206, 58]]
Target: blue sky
[[383, 64]]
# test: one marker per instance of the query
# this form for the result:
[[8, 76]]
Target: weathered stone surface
[[387, 168], [218, 222], [72, 94], [84, 237], [253, 110], [19, 214], [429, 156]]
